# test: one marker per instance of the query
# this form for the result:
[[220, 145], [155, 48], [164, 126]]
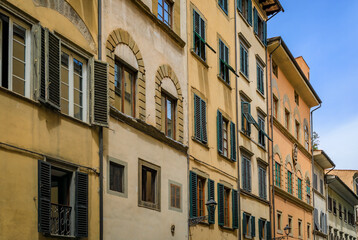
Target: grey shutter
[[211, 193], [316, 219], [256, 22], [264, 187], [242, 59], [54, 74], [253, 229], [220, 131], [249, 11], [233, 141], [43, 66], [36, 49], [265, 33], [249, 174], [220, 204], [81, 206], [243, 172], [100, 94], [44, 196], [203, 121], [193, 194], [235, 210]]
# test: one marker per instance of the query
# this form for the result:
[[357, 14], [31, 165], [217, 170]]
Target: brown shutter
[[100, 94], [44, 194]]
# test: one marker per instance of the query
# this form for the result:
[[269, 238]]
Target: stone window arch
[[167, 81], [287, 107], [116, 38]]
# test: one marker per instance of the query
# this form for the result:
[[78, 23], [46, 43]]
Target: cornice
[[293, 199]]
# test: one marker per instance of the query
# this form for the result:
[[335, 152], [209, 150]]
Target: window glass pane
[[18, 63], [18, 85], [116, 177], [170, 120], [77, 112], [128, 97], [64, 83], [148, 184]]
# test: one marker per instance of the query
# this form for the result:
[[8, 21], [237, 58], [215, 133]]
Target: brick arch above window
[[115, 38], [163, 72]]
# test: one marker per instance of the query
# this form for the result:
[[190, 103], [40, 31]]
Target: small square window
[[116, 181], [149, 185], [279, 221], [175, 196]]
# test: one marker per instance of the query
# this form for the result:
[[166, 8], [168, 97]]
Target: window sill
[[245, 77], [201, 143], [260, 41], [149, 205], [261, 146], [224, 82], [199, 58], [227, 228], [243, 18], [226, 158], [261, 94], [62, 237]]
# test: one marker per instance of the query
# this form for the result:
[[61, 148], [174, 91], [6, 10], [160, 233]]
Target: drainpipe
[[272, 193], [320, 104], [100, 134]]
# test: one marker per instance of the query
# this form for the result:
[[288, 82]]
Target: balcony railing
[[60, 220]]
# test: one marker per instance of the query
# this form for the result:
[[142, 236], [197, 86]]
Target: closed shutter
[[43, 66], [203, 121], [220, 131], [242, 59], [81, 205], [244, 223], [316, 219], [249, 175], [256, 22], [44, 192], [260, 228], [265, 33], [260, 182], [268, 230], [193, 194], [239, 5], [54, 77], [220, 204], [233, 141], [243, 172], [211, 193], [235, 210], [253, 229], [249, 11], [246, 63], [197, 117], [100, 94], [264, 185]]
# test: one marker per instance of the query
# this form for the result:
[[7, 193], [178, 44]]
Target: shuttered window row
[[245, 8], [260, 27], [224, 5], [200, 119], [222, 137]]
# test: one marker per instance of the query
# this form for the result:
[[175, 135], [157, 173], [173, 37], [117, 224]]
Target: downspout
[[100, 134], [188, 118], [272, 193], [320, 104]]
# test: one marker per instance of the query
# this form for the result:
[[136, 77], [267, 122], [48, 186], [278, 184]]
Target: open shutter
[[197, 117], [233, 141], [316, 219], [249, 11], [5, 54], [268, 230], [265, 33], [235, 210], [256, 22], [244, 223], [100, 94], [44, 192], [242, 59], [81, 206], [260, 229], [196, 23], [54, 76], [248, 174], [36, 51], [239, 5], [43, 66], [253, 228], [220, 204], [203, 121], [219, 120], [243, 172], [211, 192], [193, 191]]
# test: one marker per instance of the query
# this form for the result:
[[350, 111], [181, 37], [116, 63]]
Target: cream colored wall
[[123, 218], [303, 65], [347, 177]]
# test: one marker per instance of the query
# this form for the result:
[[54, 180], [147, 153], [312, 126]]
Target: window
[[321, 186], [297, 128], [315, 181], [200, 119], [308, 231], [165, 12], [224, 5], [124, 82], [244, 60], [245, 124], [277, 174], [340, 211], [246, 173], [245, 8], [224, 62], [248, 225], [175, 196], [260, 78], [168, 110], [149, 185], [264, 230], [345, 214], [262, 182], [334, 207], [307, 138], [261, 122], [226, 207], [329, 203], [299, 188], [15, 52], [299, 228], [201, 196], [308, 191], [274, 68], [279, 221], [297, 98], [275, 106], [290, 224], [260, 27], [287, 119], [116, 177], [73, 84], [289, 182], [199, 35], [228, 215], [223, 137]]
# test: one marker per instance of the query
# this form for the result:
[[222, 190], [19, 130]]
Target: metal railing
[[60, 219]]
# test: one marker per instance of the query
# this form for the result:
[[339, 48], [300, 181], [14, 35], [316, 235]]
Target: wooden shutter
[[242, 58], [193, 194], [197, 117], [243, 172], [5, 54], [264, 181], [196, 22], [219, 120], [44, 196], [268, 230], [260, 228], [36, 51], [233, 141], [249, 12], [256, 22], [253, 228], [220, 204], [100, 94], [244, 224], [239, 5], [203, 121], [211, 193], [248, 174], [43, 67], [316, 219], [54, 76], [81, 206], [265, 33], [235, 210]]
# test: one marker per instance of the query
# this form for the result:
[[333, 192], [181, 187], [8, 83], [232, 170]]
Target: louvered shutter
[[265, 33], [100, 94], [242, 59], [233, 141], [220, 204], [5, 54], [235, 210], [249, 11], [44, 196], [260, 229], [258, 78], [211, 193], [243, 172], [253, 228], [196, 22], [36, 52], [43, 66], [54, 77], [193, 194], [244, 223], [264, 187], [197, 117], [316, 219], [268, 230], [239, 5], [249, 125], [219, 120], [249, 174], [260, 182], [256, 22], [203, 121], [81, 206]]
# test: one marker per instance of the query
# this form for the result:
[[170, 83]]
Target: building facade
[[292, 97], [145, 147], [49, 114], [349, 177]]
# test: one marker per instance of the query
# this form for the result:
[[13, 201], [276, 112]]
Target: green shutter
[[249, 175], [256, 22], [233, 141], [243, 173], [265, 33], [219, 120], [268, 230], [81, 206], [193, 197], [260, 229], [239, 5], [44, 197], [211, 193], [244, 223], [235, 210], [249, 12], [253, 230], [241, 58], [204, 135], [220, 204], [197, 117]]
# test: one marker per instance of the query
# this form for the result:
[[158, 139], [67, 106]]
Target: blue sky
[[326, 35]]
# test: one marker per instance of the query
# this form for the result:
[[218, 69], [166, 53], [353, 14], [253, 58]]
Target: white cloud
[[340, 142]]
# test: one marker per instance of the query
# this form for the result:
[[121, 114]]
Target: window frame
[[201, 37], [275, 106], [125, 177], [289, 182], [278, 177], [227, 204], [260, 78], [279, 221], [224, 8], [204, 183], [244, 60], [299, 223], [297, 130], [299, 188], [177, 185], [245, 124], [173, 101], [287, 119], [224, 62], [334, 207], [225, 123], [170, 12]]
